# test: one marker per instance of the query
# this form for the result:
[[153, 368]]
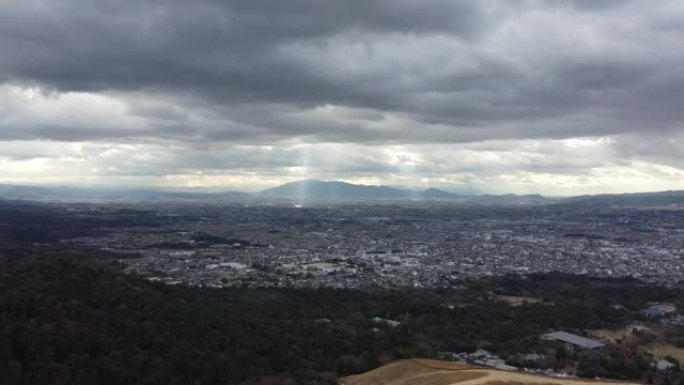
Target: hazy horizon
[[460, 190]]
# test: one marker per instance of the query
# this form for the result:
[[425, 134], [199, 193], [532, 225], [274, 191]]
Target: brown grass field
[[607, 335], [434, 372], [515, 300], [664, 349]]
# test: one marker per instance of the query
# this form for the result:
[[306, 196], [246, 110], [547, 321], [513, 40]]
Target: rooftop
[[574, 339]]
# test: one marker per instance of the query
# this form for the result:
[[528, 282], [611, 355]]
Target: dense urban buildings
[[384, 244]]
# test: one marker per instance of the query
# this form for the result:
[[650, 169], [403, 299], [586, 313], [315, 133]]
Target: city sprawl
[[382, 244]]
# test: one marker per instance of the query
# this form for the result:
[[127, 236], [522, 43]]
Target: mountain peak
[[313, 189]]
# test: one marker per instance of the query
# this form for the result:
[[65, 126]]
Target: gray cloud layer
[[196, 74]]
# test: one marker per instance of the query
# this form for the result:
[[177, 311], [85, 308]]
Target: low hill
[[67, 319], [434, 372], [335, 190], [650, 199], [61, 193], [342, 191]]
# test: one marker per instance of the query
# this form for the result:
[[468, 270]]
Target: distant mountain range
[[650, 199], [321, 190], [317, 190], [340, 191], [40, 193]]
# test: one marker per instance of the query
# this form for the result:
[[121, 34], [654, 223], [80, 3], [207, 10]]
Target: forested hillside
[[68, 320]]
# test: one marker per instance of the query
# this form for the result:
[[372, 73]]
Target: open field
[[515, 300], [664, 349], [433, 372], [607, 335], [614, 335]]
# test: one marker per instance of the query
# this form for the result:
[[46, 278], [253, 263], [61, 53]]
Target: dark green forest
[[69, 320]]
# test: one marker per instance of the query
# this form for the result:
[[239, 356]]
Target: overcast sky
[[555, 97]]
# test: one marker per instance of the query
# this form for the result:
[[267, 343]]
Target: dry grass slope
[[516, 300], [433, 372], [664, 350]]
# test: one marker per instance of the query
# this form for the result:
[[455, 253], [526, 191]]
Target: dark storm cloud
[[399, 70], [221, 47]]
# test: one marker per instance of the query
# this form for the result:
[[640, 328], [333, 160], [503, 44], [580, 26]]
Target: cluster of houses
[[660, 310], [574, 341], [479, 357]]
